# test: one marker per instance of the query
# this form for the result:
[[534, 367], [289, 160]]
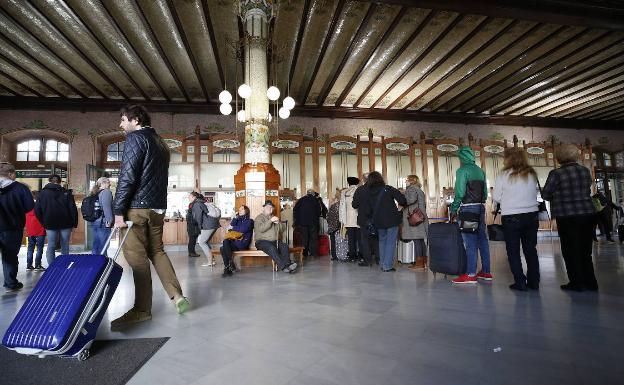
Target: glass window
[[56, 151], [28, 151], [114, 152]]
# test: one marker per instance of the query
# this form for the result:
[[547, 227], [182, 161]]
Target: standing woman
[[384, 214], [102, 226], [568, 189], [515, 190], [207, 224], [192, 227], [333, 223], [415, 197]]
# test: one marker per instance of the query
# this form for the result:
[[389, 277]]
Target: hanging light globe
[[270, 118], [284, 113], [289, 103], [273, 93], [241, 116], [225, 109], [244, 91], [225, 97]]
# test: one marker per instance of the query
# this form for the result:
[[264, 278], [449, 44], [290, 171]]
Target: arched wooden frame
[[105, 141], [370, 143], [213, 150], [407, 152], [440, 208], [332, 151], [17, 137]]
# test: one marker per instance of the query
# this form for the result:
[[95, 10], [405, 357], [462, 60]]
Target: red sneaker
[[484, 276], [465, 279]]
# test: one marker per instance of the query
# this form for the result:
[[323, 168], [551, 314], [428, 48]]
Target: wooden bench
[[253, 252]]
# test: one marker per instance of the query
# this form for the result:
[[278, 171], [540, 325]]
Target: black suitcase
[[447, 254], [621, 233]]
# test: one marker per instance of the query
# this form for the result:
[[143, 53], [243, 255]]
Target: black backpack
[[91, 209]]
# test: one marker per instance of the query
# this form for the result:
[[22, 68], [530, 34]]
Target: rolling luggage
[[406, 252], [342, 247], [447, 254], [62, 313], [323, 245]]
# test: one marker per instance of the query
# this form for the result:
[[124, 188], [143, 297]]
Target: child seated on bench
[[268, 229], [237, 238]]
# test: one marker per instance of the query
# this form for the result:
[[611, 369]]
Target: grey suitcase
[[447, 254], [342, 247], [406, 252]]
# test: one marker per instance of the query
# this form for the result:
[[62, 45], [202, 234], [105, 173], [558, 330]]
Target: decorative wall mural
[[397, 146], [494, 149], [447, 147], [343, 145], [535, 150], [285, 144], [226, 143], [173, 143]]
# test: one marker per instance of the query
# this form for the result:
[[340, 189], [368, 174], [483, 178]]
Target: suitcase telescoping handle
[[114, 233]]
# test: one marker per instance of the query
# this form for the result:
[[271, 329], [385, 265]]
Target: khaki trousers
[[143, 245]]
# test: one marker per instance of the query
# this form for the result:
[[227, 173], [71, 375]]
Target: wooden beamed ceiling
[[496, 62]]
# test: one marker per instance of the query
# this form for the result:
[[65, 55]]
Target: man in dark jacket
[[307, 213], [15, 201], [142, 198], [369, 245], [57, 212]]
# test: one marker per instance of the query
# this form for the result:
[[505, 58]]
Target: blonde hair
[[567, 153], [97, 187], [517, 161], [413, 179]]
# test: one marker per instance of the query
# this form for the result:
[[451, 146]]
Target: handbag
[[370, 226], [468, 222], [416, 217], [495, 231], [542, 214], [233, 235]]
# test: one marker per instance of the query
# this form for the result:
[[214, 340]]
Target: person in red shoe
[[470, 195], [36, 238]]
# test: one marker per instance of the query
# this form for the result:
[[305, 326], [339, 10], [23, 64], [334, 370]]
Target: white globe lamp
[[225, 97], [273, 93], [225, 109], [241, 116], [284, 113], [244, 91], [289, 103]]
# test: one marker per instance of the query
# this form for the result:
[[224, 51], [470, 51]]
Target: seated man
[[268, 229], [241, 224]]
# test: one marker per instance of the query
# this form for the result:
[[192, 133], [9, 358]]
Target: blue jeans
[[33, 241], [10, 243], [100, 235], [52, 237], [477, 242], [387, 246]]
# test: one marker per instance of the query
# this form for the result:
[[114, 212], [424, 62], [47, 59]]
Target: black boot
[[227, 272]]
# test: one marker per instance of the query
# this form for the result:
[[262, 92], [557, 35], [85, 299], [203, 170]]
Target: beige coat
[[347, 214], [265, 230]]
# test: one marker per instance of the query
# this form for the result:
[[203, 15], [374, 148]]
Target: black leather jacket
[[144, 172]]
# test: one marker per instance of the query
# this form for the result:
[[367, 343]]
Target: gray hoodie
[[200, 214]]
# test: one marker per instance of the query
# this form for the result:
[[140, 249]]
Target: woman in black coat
[[377, 203]]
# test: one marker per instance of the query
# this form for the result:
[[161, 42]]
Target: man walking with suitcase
[[15, 201], [470, 195], [142, 198]]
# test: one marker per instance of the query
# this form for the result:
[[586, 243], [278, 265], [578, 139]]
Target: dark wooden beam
[[7, 89], [396, 57], [103, 48], [75, 72], [358, 73], [604, 112], [416, 61], [319, 60], [593, 14], [82, 105], [32, 75], [481, 66], [589, 104], [213, 41], [466, 60], [140, 60], [529, 112], [36, 61], [471, 103], [187, 46], [331, 80], [10, 77], [161, 52], [600, 106], [444, 58], [548, 111], [302, 24], [537, 89], [524, 83], [450, 105]]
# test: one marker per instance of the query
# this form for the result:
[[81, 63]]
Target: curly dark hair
[[137, 112], [375, 179]]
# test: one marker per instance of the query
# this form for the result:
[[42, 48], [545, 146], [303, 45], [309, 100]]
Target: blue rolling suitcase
[[62, 313]]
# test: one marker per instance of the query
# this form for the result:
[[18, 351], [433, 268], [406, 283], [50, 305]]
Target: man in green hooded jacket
[[470, 195]]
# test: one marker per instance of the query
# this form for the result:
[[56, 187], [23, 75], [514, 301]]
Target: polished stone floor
[[336, 323]]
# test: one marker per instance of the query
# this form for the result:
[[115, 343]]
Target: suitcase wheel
[[83, 355]]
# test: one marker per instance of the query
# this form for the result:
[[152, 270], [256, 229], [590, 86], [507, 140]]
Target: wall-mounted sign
[[417, 152], [226, 143], [343, 145], [494, 149], [173, 143], [203, 149], [322, 150], [378, 151], [364, 150], [477, 154], [240, 193], [190, 149], [447, 147], [308, 150], [40, 173], [285, 144], [535, 150], [397, 146], [272, 193]]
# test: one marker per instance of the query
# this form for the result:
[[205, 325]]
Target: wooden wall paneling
[[436, 175], [371, 152], [328, 164], [197, 158], [315, 165], [412, 155], [358, 148], [302, 169], [384, 162]]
